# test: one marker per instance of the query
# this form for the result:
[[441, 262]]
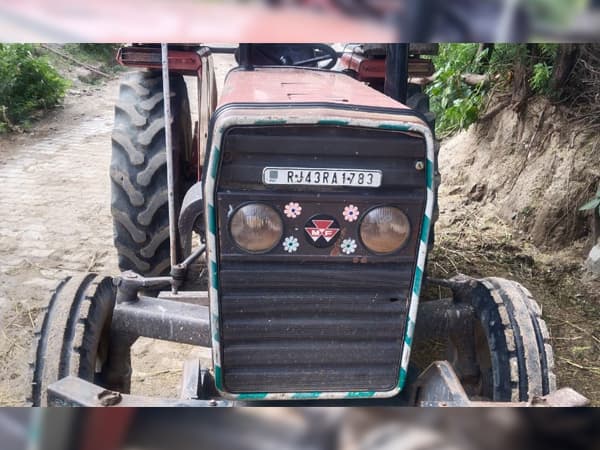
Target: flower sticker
[[290, 244], [292, 210], [348, 246], [351, 213]]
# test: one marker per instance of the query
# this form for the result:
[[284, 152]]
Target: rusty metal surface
[[72, 391]]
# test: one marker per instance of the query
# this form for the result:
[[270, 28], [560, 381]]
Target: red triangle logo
[[322, 229]]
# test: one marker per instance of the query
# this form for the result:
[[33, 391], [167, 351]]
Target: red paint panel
[[296, 85], [366, 69], [185, 62]]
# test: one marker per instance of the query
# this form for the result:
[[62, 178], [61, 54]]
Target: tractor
[[287, 229]]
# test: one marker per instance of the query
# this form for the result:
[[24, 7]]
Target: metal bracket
[[439, 385], [73, 391]]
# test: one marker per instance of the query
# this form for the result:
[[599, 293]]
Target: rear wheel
[[138, 169], [512, 349], [73, 334]]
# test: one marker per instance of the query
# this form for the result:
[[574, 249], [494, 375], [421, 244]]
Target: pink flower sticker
[[351, 213], [292, 210]]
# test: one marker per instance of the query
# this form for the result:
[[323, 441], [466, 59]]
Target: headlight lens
[[256, 227], [384, 229]]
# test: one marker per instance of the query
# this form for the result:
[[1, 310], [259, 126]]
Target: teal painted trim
[[333, 122], [402, 379], [425, 229], [270, 122], [430, 175], [218, 378], [252, 396], [394, 126], [215, 167], [418, 280], [212, 220], [214, 279], [215, 319], [306, 395], [408, 340], [365, 394]]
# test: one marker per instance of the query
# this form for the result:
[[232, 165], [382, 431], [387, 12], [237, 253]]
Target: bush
[[455, 103], [28, 84], [458, 105], [104, 54]]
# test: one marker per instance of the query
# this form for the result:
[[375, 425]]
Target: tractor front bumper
[[437, 386]]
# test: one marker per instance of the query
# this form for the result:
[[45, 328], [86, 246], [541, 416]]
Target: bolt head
[[419, 165]]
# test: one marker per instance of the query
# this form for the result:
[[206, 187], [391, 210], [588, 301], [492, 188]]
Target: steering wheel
[[322, 53], [292, 55]]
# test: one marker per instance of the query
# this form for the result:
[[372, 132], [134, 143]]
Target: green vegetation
[[455, 103], [458, 102], [28, 84], [102, 56]]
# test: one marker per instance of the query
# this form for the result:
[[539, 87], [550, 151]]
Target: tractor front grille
[[315, 320]]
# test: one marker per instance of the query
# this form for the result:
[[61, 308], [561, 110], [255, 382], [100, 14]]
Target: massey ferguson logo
[[322, 230]]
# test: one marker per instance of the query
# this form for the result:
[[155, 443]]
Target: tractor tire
[[138, 170], [513, 352], [72, 337]]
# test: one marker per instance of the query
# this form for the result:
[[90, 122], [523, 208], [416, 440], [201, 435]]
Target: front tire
[[512, 348], [73, 336], [138, 170]]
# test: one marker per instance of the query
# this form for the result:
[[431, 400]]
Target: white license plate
[[299, 176]]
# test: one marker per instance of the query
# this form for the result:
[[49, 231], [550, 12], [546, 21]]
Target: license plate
[[299, 176]]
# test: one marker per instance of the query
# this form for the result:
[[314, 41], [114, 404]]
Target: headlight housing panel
[[384, 229], [256, 227]]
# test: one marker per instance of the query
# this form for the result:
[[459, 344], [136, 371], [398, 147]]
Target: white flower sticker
[[292, 210], [348, 246], [290, 244], [351, 213]]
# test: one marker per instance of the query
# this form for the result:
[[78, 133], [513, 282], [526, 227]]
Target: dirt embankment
[[533, 169], [509, 199]]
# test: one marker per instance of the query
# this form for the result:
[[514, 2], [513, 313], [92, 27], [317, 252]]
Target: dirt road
[[55, 203]]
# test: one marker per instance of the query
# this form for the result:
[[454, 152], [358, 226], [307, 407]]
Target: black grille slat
[[277, 303], [350, 276], [315, 320], [270, 328], [299, 379], [302, 353]]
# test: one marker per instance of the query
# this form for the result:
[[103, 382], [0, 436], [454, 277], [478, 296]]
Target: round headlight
[[384, 229], [256, 227]]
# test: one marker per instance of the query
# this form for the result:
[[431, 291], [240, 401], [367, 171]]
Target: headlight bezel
[[398, 249], [230, 219]]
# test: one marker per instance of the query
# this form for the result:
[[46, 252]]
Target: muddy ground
[[54, 198]]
